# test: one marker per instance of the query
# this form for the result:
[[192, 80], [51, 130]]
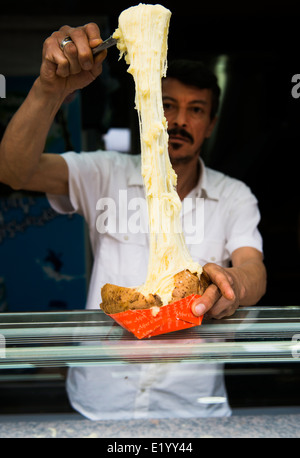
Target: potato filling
[[142, 38]]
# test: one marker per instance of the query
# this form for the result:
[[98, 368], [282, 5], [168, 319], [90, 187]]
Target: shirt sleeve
[[243, 219], [88, 174]]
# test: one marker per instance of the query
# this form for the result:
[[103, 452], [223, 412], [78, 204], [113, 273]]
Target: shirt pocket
[[124, 256], [210, 251]]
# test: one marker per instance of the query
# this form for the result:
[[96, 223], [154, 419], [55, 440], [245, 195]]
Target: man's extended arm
[[242, 284], [22, 164]]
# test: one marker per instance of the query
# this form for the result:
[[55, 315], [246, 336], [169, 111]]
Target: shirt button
[[126, 237], [212, 258]]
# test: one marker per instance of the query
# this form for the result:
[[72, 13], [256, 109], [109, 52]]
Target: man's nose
[[181, 117]]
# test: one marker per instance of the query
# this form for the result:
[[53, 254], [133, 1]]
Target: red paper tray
[[171, 317]]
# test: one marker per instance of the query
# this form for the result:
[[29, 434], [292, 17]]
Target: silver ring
[[64, 42]]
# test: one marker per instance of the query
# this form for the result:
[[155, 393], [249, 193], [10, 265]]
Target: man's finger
[[206, 301], [93, 33], [79, 52], [95, 39], [220, 278], [86, 38]]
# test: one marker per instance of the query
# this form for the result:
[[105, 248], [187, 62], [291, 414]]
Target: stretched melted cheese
[[142, 37]]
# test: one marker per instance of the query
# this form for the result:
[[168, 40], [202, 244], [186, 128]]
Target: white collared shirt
[[218, 216]]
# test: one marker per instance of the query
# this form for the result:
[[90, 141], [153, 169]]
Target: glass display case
[[74, 338], [259, 346]]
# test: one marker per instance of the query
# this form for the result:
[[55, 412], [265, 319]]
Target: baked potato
[[117, 299]]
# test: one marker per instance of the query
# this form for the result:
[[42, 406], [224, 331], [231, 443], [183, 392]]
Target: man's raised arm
[[63, 71]]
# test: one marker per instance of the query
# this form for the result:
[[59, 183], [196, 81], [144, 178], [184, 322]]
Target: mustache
[[181, 132]]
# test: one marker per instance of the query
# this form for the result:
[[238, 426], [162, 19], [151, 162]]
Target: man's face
[[187, 110]]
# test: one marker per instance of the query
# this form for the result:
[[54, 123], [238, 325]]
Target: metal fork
[[106, 44]]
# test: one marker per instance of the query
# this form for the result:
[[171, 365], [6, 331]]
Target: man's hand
[[221, 298], [242, 284], [63, 71], [74, 67]]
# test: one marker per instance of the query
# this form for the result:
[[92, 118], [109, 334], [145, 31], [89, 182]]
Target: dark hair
[[195, 73]]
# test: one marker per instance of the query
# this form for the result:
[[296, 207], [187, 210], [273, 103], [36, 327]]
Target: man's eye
[[168, 106], [197, 110]]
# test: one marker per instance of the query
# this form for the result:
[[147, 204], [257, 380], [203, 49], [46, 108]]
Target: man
[[75, 182]]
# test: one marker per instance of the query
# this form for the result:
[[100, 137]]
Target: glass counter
[[258, 346], [77, 338]]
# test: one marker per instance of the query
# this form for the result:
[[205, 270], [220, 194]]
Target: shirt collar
[[135, 178], [204, 187]]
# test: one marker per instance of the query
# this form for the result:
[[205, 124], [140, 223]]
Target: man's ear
[[211, 126]]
